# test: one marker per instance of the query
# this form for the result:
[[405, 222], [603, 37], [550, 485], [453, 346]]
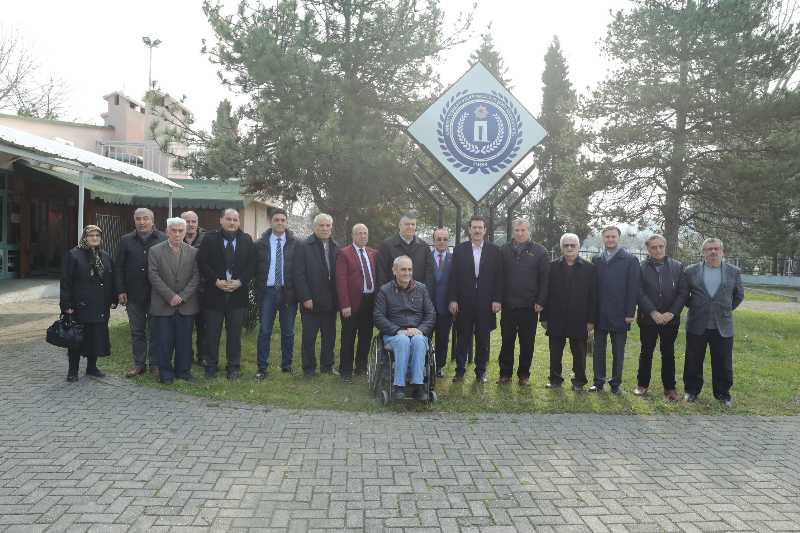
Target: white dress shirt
[[476, 258]]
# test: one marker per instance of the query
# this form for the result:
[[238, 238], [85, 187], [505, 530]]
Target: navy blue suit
[[617, 293], [444, 319]]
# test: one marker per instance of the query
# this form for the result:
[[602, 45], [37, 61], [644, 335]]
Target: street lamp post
[[150, 43]]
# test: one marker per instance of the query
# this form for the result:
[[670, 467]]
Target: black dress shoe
[[440, 373], [95, 373], [211, 373], [596, 388], [233, 375], [166, 381], [261, 375], [187, 377], [72, 378], [458, 378], [689, 397], [552, 385], [399, 393], [615, 389], [480, 379], [287, 369], [347, 378]]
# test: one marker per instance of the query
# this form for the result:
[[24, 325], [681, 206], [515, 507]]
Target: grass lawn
[[759, 296], [766, 379]]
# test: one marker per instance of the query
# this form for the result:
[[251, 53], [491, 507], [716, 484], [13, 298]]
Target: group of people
[[189, 279]]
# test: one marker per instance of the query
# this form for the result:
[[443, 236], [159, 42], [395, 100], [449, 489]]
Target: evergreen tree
[[329, 86], [491, 58], [562, 200], [673, 113]]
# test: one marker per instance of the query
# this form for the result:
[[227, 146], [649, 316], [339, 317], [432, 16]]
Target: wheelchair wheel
[[432, 396], [384, 397], [373, 365]]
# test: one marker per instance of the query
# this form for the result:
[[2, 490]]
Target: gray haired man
[[134, 288], [715, 290]]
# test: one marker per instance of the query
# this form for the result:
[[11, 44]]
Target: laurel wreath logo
[[474, 149]]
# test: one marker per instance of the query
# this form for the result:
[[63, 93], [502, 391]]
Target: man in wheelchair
[[404, 315]]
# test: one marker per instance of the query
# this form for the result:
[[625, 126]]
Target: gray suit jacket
[[171, 274], [720, 307]]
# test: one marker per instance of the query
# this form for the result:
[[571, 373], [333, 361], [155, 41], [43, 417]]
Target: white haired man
[[174, 277], [315, 287]]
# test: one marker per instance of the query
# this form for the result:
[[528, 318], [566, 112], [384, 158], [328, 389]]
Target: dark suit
[[710, 323], [475, 296], [199, 325], [617, 293], [315, 279], [444, 320], [355, 290], [221, 306], [131, 279], [419, 252]]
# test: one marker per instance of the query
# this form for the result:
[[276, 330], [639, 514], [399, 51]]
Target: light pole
[[150, 44]]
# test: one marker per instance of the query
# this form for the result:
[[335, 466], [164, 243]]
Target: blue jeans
[[173, 334], [273, 304], [408, 351]]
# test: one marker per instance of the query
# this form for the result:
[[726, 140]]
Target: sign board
[[477, 130]]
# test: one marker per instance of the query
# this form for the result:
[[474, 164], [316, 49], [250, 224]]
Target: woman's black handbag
[[65, 333]]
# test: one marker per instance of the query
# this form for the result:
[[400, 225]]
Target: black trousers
[[314, 323], [721, 363], [578, 349], [233, 319], [441, 333], [200, 331], [650, 335], [466, 329], [618, 339], [522, 321], [358, 325]]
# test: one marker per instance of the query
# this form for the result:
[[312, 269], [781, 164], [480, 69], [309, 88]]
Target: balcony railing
[[147, 155]]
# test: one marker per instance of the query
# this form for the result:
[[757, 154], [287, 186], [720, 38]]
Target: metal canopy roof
[[46, 151]]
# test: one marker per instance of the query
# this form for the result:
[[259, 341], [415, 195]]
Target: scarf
[[95, 263]]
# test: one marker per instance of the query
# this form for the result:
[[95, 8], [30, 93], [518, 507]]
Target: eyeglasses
[[569, 245]]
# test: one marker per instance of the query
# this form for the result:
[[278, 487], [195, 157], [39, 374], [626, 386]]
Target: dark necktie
[[440, 264], [365, 268], [230, 256], [278, 264]]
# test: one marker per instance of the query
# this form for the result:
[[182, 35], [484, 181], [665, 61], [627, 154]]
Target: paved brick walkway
[[106, 455]]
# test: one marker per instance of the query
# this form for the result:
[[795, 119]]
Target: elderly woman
[[87, 294]]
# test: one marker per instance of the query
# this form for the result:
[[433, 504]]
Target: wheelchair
[[380, 371]]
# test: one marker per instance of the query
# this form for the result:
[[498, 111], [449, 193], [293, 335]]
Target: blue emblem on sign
[[479, 131]]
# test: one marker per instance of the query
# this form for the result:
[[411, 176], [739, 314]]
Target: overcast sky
[[96, 46]]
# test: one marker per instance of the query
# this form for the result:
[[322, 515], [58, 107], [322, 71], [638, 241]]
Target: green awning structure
[[200, 194]]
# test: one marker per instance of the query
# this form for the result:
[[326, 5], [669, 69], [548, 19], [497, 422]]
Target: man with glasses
[[569, 311]]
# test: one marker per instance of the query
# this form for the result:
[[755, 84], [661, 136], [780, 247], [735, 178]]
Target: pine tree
[[488, 55], [674, 112], [562, 201]]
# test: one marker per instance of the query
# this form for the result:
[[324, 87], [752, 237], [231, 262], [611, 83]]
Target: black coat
[[524, 275], [90, 296], [201, 233], [312, 281], [571, 298], [131, 265], [617, 290], [667, 291], [263, 259], [475, 296], [421, 259], [211, 262], [396, 308]]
